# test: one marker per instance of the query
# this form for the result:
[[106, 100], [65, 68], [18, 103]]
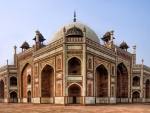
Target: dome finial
[[74, 16]]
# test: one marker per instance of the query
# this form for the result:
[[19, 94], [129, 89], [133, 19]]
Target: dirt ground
[[45, 108]]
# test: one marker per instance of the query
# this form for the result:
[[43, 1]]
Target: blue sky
[[128, 18]]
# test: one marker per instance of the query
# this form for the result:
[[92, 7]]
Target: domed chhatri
[[90, 34], [41, 38], [108, 36], [25, 45], [123, 45]]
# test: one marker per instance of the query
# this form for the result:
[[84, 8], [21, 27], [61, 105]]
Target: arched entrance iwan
[[122, 83], [13, 97], [135, 97], [74, 94]]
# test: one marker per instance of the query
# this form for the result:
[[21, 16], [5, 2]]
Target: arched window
[[136, 81], [29, 79], [13, 81], [89, 63], [74, 66]]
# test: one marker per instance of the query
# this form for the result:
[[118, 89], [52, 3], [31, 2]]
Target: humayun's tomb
[[74, 68]]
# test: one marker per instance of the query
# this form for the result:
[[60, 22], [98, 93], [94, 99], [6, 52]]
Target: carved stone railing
[[74, 39]]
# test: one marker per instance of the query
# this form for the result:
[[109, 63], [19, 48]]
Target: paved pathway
[[45, 108]]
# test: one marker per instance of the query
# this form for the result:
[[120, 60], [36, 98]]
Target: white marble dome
[[89, 32]]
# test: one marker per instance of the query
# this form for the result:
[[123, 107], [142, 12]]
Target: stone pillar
[[7, 62], [142, 62], [134, 49], [111, 35], [134, 55], [84, 66], [64, 64], [15, 49], [37, 43]]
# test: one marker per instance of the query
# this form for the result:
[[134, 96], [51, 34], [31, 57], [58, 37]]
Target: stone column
[[37, 43], [134, 54], [15, 47], [134, 49], [84, 66]]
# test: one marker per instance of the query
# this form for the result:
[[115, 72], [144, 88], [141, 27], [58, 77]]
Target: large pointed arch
[[47, 81], [101, 81], [122, 81], [27, 70]]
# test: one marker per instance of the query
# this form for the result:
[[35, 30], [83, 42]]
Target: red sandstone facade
[[75, 68]]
